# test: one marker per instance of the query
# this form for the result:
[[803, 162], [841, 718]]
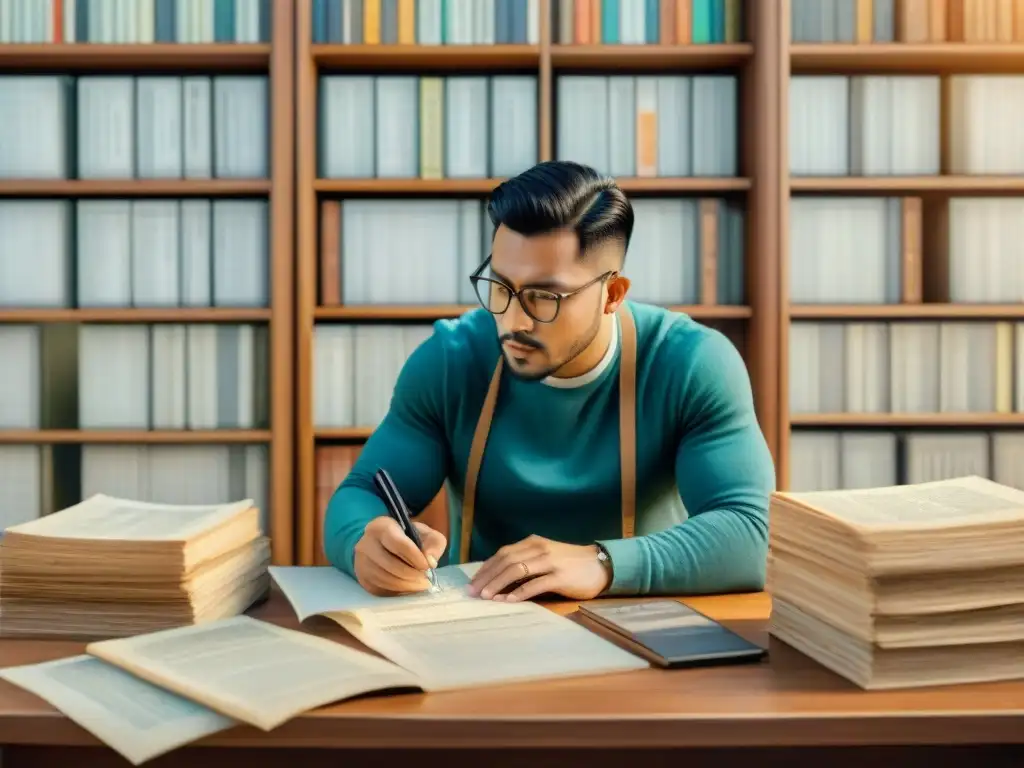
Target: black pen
[[399, 512]]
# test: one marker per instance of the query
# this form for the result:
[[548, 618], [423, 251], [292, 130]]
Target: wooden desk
[[787, 711]]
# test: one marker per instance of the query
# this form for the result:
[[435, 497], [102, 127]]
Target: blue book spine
[[651, 22], [224, 21], [610, 21], [82, 21]]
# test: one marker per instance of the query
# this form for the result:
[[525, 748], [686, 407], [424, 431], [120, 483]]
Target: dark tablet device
[[670, 634]]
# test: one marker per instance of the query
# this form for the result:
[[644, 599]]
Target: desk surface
[[786, 701]]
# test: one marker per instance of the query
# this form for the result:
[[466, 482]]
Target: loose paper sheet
[[251, 670], [936, 505], [131, 716], [107, 517], [474, 642], [313, 591]]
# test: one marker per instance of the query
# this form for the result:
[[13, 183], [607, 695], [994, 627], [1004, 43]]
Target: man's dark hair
[[558, 194]]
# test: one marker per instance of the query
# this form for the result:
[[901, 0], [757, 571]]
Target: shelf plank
[[897, 311], [454, 58], [652, 185], [966, 420], [894, 184], [437, 312], [406, 186], [640, 58], [149, 437], [137, 315], [897, 58], [133, 187], [135, 57], [343, 433]]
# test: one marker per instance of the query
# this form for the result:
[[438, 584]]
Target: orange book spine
[[865, 21], [371, 22], [1018, 21], [667, 23], [58, 20], [955, 21], [407, 22], [581, 19], [708, 252], [684, 22], [938, 21], [595, 22]]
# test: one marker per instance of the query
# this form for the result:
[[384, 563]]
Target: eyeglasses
[[540, 304]]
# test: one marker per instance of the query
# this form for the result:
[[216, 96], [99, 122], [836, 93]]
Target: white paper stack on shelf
[[110, 567], [902, 586]]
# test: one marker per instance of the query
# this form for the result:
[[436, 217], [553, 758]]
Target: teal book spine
[[703, 21], [651, 22], [224, 21], [610, 21]]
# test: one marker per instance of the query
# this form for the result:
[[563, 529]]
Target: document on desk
[[464, 643], [135, 718], [250, 670], [319, 590], [450, 639]]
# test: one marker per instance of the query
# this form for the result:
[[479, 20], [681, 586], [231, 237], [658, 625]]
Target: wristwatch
[[605, 559]]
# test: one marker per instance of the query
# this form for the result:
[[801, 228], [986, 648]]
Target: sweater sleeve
[[410, 443], [725, 476]]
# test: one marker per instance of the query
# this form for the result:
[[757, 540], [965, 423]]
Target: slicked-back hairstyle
[[558, 194]]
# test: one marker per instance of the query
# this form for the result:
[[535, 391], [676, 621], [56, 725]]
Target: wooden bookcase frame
[[760, 64], [276, 60]]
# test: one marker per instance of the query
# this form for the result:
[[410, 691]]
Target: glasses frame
[[559, 297]]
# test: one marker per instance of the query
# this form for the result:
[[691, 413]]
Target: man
[[591, 445]]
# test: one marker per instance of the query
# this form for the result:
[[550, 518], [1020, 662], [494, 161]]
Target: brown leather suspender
[[627, 438]]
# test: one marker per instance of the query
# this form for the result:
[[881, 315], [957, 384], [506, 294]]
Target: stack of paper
[[902, 586], [110, 567]]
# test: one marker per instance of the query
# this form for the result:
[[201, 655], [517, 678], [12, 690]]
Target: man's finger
[[401, 546], [385, 579], [499, 562], [513, 572], [532, 588], [434, 543], [387, 561]]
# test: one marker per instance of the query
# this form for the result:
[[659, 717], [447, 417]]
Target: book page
[[964, 501], [459, 644], [106, 517], [318, 590], [131, 716], [250, 670]]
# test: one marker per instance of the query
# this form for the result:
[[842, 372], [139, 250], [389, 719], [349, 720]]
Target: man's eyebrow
[[549, 285]]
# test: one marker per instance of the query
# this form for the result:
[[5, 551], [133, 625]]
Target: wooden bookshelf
[[133, 57], [759, 66], [135, 187], [276, 60], [943, 59]]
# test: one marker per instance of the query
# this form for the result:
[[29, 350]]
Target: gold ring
[[526, 569]]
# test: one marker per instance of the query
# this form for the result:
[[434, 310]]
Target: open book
[[449, 639]]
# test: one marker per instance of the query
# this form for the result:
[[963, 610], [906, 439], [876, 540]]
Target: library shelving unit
[[758, 60], [274, 59], [944, 57]]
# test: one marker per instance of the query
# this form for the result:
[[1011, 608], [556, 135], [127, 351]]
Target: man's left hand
[[570, 570]]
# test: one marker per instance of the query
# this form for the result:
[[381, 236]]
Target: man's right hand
[[387, 562]]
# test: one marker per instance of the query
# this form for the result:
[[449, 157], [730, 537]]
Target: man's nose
[[516, 320]]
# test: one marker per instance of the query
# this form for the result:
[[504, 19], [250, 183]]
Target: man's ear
[[618, 286]]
